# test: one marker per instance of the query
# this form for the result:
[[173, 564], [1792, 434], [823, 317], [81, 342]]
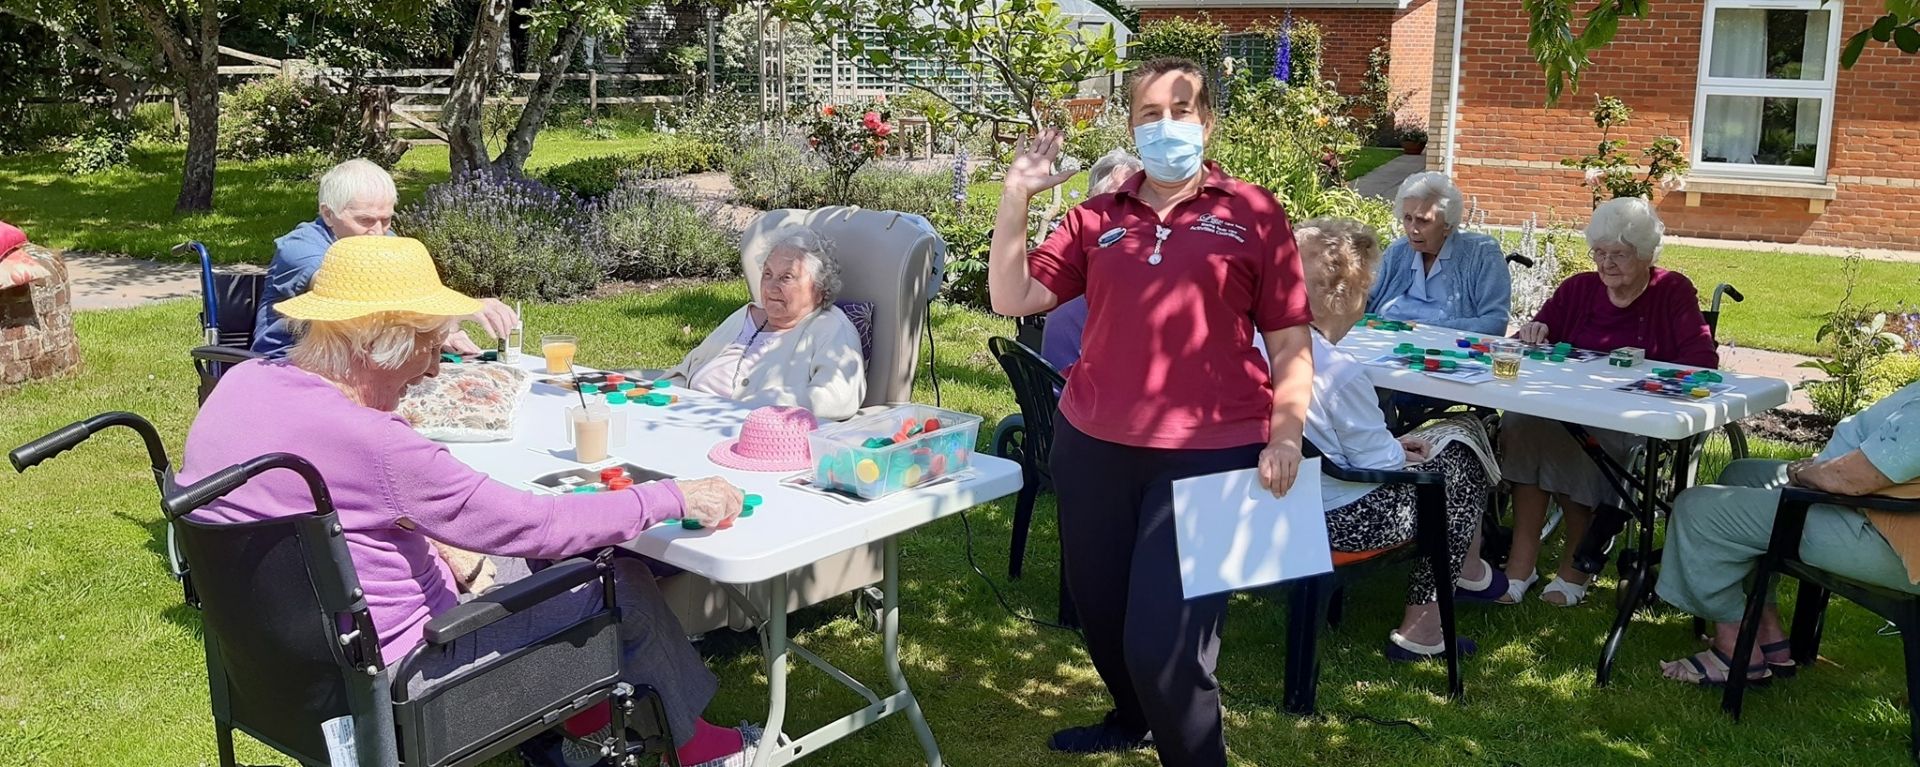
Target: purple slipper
[[1496, 588], [1401, 651]]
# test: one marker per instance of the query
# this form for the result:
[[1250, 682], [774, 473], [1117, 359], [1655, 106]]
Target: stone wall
[[36, 325]]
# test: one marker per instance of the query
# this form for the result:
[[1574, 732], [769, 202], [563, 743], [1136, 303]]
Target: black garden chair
[[1036, 387]]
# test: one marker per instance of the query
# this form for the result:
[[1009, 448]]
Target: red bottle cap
[[619, 483], [614, 378], [608, 474]]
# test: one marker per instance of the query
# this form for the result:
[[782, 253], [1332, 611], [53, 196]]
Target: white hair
[[355, 180], [815, 252], [1099, 179], [1431, 187], [383, 340], [1630, 221]]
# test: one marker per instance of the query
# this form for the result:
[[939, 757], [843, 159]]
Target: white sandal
[[1574, 593], [1517, 589]]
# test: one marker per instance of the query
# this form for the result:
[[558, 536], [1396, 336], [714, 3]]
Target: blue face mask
[[1170, 149]]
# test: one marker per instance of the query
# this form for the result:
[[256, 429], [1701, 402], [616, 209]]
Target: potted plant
[[1413, 138]]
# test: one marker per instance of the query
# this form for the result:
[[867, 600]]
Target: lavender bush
[[650, 233], [509, 238]]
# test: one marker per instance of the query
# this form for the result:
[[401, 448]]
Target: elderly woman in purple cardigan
[[372, 324], [1624, 301]]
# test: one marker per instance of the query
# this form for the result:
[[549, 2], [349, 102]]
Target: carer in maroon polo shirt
[[1181, 266]]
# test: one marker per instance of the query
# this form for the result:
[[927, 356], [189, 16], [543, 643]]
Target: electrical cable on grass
[[1002, 598]]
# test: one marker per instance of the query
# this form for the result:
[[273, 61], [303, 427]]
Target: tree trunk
[[203, 138], [463, 117], [540, 98]]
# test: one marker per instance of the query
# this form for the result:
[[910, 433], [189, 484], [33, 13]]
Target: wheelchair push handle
[[1729, 291], [183, 500], [67, 437], [1523, 261]]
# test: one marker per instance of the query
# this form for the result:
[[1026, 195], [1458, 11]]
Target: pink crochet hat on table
[[772, 439]]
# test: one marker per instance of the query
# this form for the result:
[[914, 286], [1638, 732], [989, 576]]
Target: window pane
[[1770, 44], [1760, 131]]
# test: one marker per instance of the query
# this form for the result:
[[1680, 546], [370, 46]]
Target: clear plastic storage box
[[922, 443]]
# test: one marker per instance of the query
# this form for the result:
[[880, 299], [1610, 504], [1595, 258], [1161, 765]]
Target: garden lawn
[[129, 210], [104, 666], [1369, 158], [1787, 294]]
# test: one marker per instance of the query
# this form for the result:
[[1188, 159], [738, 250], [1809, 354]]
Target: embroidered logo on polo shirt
[[1112, 236], [1213, 224]]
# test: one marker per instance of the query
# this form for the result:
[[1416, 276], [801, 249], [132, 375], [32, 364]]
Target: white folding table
[[792, 529], [1586, 395]]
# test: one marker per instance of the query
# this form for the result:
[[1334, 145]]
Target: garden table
[[792, 529], [1585, 395]]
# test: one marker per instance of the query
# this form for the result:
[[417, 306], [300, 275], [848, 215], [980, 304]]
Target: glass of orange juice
[[559, 352]]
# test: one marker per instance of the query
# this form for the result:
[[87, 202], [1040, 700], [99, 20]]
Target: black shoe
[[1106, 737], [1590, 555]]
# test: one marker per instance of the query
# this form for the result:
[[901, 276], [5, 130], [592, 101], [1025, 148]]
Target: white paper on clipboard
[[1232, 534]]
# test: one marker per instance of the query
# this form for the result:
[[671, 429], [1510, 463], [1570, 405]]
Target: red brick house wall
[[1348, 35], [1510, 144]]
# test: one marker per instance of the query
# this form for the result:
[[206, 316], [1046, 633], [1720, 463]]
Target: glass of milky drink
[[559, 352], [1506, 355], [591, 430]]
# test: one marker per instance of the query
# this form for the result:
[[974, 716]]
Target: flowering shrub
[[846, 138], [1293, 140], [274, 117], [665, 157], [1609, 169], [652, 233], [509, 238]]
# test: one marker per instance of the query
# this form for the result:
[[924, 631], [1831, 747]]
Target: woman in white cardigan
[[1344, 420], [794, 347]]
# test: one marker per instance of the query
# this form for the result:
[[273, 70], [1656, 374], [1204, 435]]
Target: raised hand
[[1032, 170]]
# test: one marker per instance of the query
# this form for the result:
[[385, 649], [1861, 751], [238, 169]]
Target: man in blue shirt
[[1719, 531], [356, 198]]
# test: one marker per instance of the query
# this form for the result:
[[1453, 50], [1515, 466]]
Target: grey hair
[[1103, 168], [356, 179], [1340, 257], [384, 340], [816, 252], [1631, 221], [1435, 187]]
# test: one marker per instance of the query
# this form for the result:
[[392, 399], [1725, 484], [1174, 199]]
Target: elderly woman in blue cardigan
[[1438, 274]]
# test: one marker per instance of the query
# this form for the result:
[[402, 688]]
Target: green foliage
[[511, 238], [777, 174], [665, 158], [969, 238], [1889, 373], [1107, 131], [97, 152], [1291, 140], [154, 123], [1609, 169], [273, 117], [846, 137], [1195, 40], [652, 234], [1378, 98], [1028, 47], [1857, 338], [1414, 131], [724, 120], [1307, 42]]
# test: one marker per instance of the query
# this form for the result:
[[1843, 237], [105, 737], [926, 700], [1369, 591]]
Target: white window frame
[[1824, 90]]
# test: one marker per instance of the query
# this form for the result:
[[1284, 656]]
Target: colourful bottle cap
[[662, 384], [1556, 358], [751, 500], [689, 524], [619, 483], [615, 378], [1463, 343], [610, 472], [625, 386], [616, 398], [449, 357], [586, 489], [747, 512]]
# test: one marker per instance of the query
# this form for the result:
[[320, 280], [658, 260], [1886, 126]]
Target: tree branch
[[540, 97], [172, 40], [74, 39]]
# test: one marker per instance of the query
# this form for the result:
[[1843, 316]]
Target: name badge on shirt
[[1112, 236]]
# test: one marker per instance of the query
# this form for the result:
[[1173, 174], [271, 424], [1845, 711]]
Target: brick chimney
[[36, 325]]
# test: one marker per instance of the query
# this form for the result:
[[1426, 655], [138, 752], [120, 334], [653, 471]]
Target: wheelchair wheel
[[1717, 449], [1010, 438]]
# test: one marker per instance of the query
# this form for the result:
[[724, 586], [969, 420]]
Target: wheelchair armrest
[[514, 597], [1803, 496], [229, 355]]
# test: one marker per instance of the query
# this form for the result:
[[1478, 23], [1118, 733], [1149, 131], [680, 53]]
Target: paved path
[[118, 282], [1772, 365], [1383, 181]]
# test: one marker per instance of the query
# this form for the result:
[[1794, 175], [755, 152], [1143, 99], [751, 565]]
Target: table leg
[[774, 639], [1639, 583], [890, 629]]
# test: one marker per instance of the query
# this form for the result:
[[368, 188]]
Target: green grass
[[1369, 158], [1787, 293], [129, 210], [103, 664]]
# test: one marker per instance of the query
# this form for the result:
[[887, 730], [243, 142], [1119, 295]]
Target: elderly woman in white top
[[794, 347], [1438, 274], [1344, 420]]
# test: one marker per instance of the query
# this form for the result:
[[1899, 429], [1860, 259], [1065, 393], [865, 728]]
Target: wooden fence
[[415, 97]]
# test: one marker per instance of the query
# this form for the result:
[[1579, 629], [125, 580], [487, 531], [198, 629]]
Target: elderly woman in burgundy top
[[1624, 301], [359, 346]]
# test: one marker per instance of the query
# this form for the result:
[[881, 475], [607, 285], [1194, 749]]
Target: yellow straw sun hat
[[370, 274]]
